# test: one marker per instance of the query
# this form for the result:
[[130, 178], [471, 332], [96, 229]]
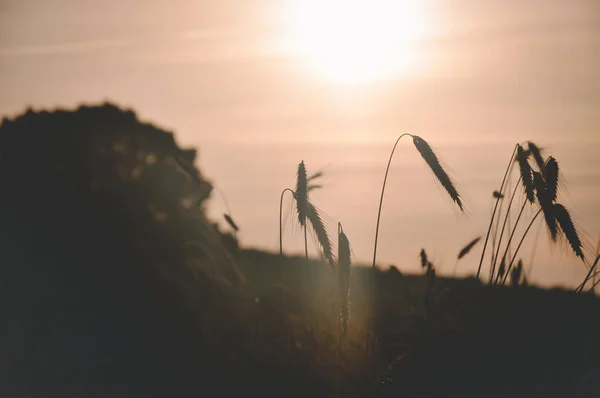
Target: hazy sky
[[222, 75]]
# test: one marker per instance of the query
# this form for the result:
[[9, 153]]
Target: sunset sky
[[259, 85]]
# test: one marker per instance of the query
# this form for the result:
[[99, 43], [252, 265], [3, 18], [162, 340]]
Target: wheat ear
[[344, 264], [434, 164]]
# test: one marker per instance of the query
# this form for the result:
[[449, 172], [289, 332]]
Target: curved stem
[[508, 168], [511, 236], [223, 197], [519, 246], [280, 226], [381, 199], [512, 198]]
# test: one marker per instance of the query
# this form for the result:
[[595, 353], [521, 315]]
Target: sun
[[356, 41]]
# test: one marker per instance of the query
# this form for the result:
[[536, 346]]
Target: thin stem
[[512, 198], [508, 230], [494, 235], [535, 243], [587, 277], [592, 276], [305, 242], [594, 286], [387, 169], [511, 236], [494, 213], [594, 282], [519, 246], [280, 216], [223, 197]]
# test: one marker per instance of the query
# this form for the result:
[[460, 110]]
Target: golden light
[[356, 41]]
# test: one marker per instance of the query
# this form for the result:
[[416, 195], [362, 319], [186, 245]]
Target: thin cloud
[[64, 48]]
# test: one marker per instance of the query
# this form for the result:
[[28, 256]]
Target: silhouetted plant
[[556, 216], [498, 197], [281, 217], [526, 179], [307, 213], [432, 161], [230, 221], [465, 250], [344, 266], [320, 231]]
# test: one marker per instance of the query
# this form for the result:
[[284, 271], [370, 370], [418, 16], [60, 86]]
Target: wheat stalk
[[302, 201], [497, 195], [504, 224], [280, 217], [307, 213], [546, 207], [512, 234], [344, 264], [525, 173], [432, 160], [487, 236], [556, 216], [526, 177]]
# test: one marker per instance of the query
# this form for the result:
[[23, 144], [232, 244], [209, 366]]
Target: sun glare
[[356, 41]]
